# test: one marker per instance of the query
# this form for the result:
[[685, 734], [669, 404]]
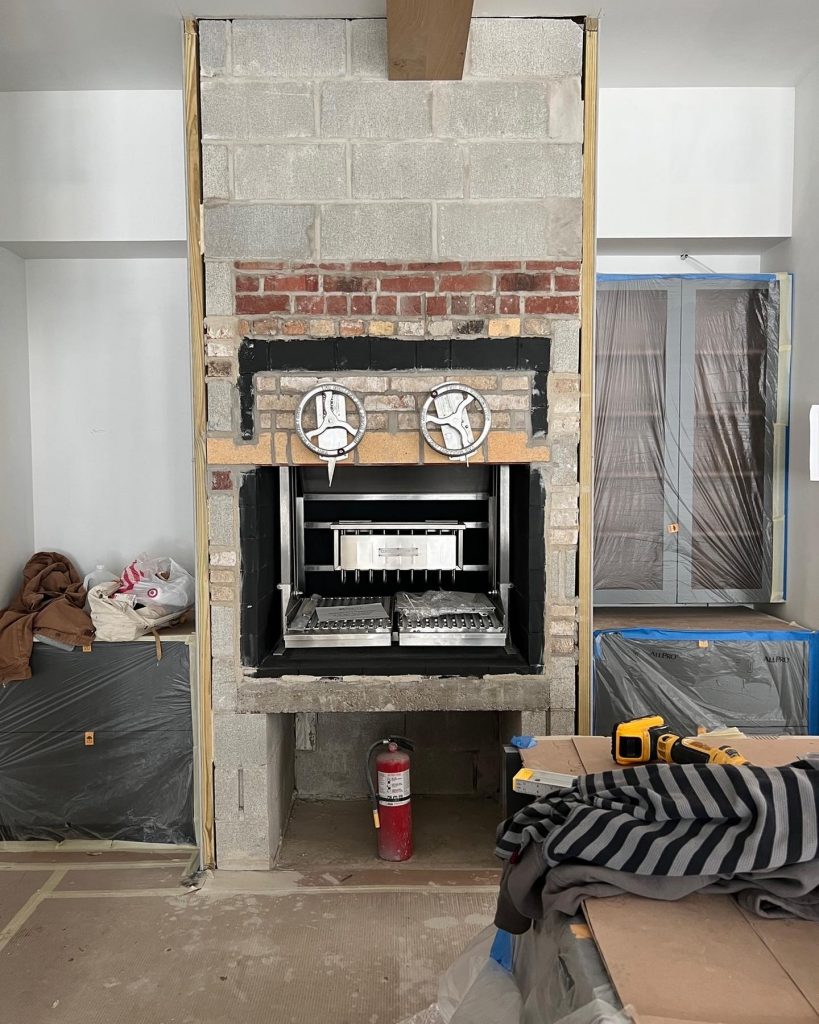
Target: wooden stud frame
[[588, 288], [203, 746]]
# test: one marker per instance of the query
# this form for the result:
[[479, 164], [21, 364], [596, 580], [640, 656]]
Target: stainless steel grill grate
[[479, 629], [340, 622]]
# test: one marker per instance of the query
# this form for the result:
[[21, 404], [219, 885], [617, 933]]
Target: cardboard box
[[700, 960]]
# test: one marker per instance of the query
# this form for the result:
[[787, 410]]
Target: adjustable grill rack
[[465, 629], [353, 626]]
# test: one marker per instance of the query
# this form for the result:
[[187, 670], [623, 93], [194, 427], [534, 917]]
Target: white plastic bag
[[115, 617], [476, 990], [158, 581]]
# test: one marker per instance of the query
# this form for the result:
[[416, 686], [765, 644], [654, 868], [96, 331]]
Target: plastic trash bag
[[158, 581], [443, 602], [476, 989], [115, 617]]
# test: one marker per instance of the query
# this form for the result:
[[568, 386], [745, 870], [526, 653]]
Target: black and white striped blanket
[[675, 820]]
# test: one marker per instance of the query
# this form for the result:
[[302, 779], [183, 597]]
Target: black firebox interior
[[262, 529]]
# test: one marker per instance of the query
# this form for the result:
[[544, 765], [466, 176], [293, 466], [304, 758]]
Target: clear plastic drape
[[687, 374], [759, 686]]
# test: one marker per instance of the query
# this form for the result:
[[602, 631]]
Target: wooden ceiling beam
[[426, 39]]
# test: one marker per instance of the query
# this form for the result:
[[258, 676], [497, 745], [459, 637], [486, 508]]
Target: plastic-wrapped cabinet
[[99, 745], [691, 388], [710, 668]]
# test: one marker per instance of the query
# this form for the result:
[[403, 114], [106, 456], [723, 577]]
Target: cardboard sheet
[[700, 961], [582, 755], [796, 945], [697, 620]]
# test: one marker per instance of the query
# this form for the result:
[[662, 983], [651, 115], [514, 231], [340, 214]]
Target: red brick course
[[359, 292]]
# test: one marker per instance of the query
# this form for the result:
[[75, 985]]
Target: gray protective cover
[[135, 782], [759, 686]]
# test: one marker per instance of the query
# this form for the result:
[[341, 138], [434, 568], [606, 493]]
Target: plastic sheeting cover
[[557, 977], [686, 406], [443, 602], [759, 686], [135, 782]]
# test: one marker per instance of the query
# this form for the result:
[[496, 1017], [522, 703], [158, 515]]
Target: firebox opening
[[455, 781], [434, 569]]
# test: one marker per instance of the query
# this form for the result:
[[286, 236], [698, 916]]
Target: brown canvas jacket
[[50, 602]]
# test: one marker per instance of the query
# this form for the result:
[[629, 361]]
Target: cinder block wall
[[341, 207], [456, 753], [307, 143]]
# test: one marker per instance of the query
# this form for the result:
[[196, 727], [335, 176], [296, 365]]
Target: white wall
[[110, 409], [16, 511], [801, 255], [663, 264], [90, 166], [695, 163]]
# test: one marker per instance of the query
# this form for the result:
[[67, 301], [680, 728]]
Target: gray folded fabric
[[666, 831], [528, 894]]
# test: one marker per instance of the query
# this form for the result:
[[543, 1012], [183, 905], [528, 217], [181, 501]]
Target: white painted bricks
[[259, 110], [376, 110], [289, 48], [507, 170], [524, 48], [408, 170], [374, 231], [290, 172], [256, 231], [509, 230]]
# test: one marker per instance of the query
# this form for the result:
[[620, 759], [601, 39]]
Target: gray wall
[[16, 501], [457, 753], [800, 254]]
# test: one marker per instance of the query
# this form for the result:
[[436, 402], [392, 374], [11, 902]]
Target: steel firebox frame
[[294, 567]]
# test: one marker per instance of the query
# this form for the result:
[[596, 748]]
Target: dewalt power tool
[[649, 739]]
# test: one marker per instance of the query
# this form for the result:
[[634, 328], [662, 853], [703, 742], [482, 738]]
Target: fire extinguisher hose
[[403, 744]]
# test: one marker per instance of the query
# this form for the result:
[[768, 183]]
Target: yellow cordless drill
[[649, 739]]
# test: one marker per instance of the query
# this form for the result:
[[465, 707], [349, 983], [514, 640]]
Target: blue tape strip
[[502, 950], [813, 686], [686, 277], [806, 636], [523, 742]]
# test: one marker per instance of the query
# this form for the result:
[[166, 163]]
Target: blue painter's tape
[[805, 636], [813, 685], [523, 742], [502, 950]]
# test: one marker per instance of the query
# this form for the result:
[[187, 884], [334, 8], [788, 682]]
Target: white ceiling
[[136, 44]]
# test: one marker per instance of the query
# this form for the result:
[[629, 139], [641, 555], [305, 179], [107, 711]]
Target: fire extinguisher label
[[393, 787]]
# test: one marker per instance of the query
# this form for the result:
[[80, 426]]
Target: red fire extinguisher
[[392, 810]]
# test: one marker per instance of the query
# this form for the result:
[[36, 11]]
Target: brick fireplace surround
[[389, 236]]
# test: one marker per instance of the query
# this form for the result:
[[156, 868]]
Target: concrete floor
[[86, 939], [447, 832]]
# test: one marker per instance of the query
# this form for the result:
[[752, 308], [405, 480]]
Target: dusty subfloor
[[87, 938], [447, 832]]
